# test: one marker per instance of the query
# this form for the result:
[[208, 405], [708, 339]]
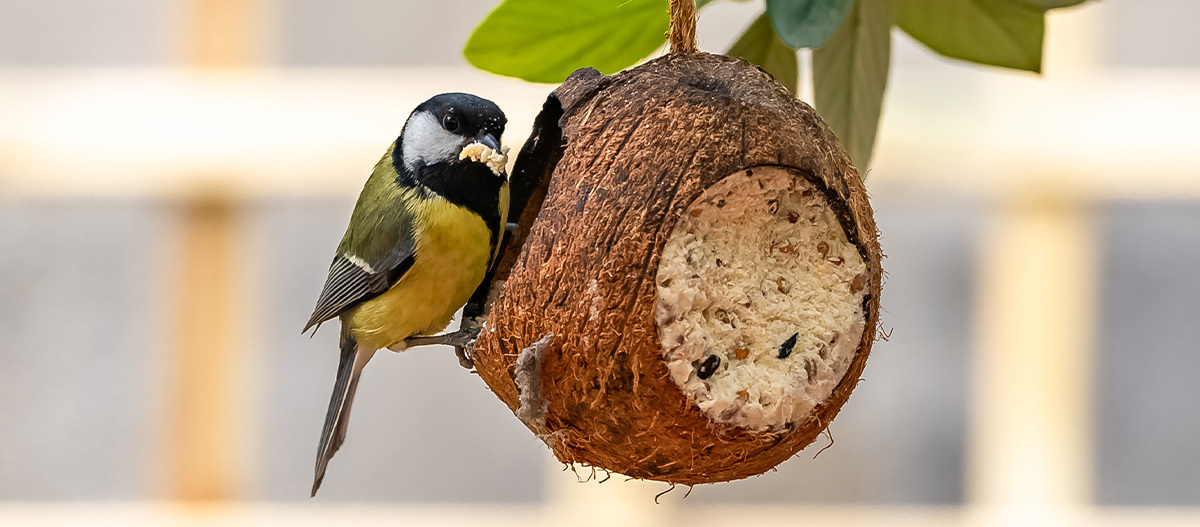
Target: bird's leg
[[512, 228], [462, 339]]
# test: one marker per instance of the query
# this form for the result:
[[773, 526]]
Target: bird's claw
[[464, 357], [463, 340]]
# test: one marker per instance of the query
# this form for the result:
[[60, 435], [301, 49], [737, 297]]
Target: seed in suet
[[708, 367], [788, 345]]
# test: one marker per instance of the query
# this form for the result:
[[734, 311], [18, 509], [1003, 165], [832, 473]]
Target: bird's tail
[[350, 367]]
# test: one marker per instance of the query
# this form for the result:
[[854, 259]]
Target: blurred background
[[175, 174]]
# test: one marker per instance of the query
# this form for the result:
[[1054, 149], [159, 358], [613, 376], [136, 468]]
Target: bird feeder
[[693, 289]]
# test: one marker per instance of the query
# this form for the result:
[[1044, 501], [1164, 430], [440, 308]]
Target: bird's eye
[[450, 123]]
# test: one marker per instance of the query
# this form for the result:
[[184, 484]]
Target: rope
[[683, 26]]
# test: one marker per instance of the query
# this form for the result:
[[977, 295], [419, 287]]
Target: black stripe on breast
[[468, 184]]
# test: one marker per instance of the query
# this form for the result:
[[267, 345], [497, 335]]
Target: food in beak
[[497, 161]]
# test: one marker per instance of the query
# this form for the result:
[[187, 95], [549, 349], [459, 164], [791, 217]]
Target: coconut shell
[[628, 153]]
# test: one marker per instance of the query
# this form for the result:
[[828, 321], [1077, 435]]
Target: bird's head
[[439, 129]]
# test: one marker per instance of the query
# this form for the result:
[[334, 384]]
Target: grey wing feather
[[345, 283], [348, 283]]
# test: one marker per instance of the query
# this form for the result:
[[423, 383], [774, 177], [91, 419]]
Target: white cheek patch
[[425, 141], [760, 300]]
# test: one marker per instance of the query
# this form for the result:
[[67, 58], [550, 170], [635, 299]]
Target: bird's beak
[[491, 141]]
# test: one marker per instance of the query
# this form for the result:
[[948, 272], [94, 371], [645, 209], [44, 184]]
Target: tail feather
[[337, 418]]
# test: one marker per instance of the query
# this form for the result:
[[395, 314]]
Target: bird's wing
[[374, 254]]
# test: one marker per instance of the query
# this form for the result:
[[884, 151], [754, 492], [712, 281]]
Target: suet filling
[[760, 300]]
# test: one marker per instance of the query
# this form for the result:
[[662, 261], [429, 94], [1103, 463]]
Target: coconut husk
[[628, 153]]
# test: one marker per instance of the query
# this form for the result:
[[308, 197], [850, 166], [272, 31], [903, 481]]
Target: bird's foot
[[512, 228], [461, 340]]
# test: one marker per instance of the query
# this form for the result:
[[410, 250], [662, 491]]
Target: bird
[[423, 234]]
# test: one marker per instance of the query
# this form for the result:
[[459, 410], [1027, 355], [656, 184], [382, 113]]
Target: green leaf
[[807, 23], [759, 44], [1005, 33], [1053, 4], [546, 40], [850, 75]]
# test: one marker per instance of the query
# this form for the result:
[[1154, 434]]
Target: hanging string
[[682, 34]]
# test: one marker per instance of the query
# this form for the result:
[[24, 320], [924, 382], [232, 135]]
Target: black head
[[439, 128]]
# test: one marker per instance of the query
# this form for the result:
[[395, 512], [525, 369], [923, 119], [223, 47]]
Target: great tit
[[425, 231]]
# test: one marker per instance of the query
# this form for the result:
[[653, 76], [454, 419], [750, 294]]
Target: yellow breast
[[453, 252]]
